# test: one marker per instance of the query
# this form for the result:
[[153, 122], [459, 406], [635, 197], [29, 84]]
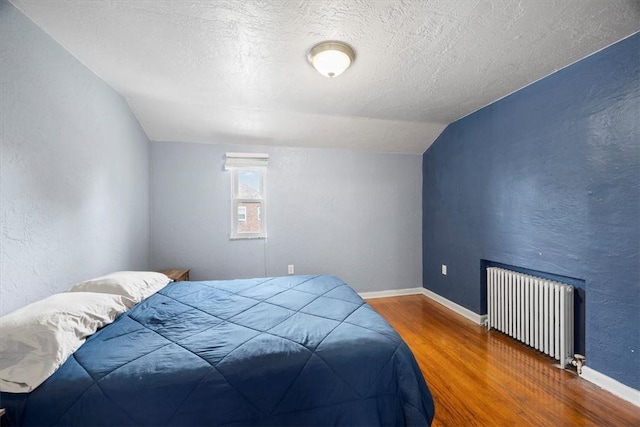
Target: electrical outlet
[[444, 270], [290, 269]]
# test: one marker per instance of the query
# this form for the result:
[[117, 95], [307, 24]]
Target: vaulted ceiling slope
[[236, 71]]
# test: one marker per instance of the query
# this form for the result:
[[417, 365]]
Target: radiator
[[536, 311]]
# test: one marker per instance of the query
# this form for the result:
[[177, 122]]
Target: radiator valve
[[578, 361]]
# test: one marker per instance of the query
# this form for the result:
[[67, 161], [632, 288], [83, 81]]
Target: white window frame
[[237, 163]]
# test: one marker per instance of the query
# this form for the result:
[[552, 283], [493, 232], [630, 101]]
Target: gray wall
[[352, 214], [74, 176]]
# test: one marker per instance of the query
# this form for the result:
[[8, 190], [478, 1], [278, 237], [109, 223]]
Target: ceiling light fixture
[[331, 58]]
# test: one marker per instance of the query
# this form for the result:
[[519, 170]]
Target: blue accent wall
[[548, 179]]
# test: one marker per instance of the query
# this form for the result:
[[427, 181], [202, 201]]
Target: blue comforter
[[295, 350]]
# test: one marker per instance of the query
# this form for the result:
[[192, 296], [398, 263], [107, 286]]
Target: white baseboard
[[601, 380], [474, 317], [390, 293]]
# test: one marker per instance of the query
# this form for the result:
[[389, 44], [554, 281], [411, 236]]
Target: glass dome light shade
[[331, 58]]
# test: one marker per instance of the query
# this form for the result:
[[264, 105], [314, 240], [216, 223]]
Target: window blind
[[245, 160]]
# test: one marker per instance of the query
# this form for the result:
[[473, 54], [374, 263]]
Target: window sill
[[248, 238]]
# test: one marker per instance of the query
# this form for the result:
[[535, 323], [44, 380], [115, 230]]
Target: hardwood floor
[[481, 378]]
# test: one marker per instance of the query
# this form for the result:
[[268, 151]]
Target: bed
[[294, 350]]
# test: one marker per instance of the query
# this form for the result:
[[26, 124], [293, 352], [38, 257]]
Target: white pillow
[[136, 285], [36, 339]]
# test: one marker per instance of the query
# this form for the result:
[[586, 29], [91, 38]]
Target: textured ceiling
[[236, 71]]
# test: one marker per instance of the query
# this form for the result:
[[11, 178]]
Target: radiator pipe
[[578, 361]]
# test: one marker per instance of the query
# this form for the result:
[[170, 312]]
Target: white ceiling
[[236, 71]]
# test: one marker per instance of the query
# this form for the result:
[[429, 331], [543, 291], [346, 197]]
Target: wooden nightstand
[[177, 274]]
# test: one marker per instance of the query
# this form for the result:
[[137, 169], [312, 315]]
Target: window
[[248, 215], [242, 213], [248, 203]]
